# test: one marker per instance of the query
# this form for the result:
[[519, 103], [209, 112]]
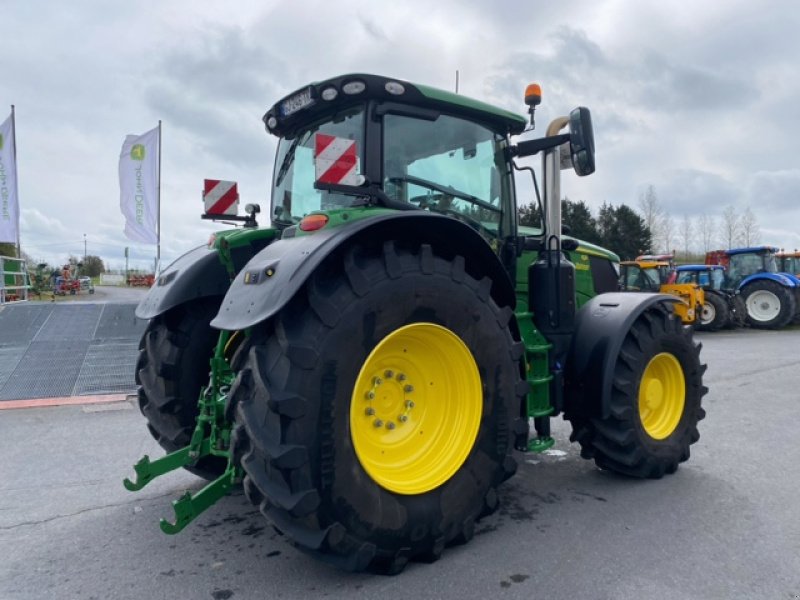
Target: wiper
[[448, 190], [289, 158]]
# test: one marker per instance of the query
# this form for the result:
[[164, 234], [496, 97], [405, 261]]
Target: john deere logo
[[137, 152]]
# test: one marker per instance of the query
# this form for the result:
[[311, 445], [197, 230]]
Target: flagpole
[[16, 173], [158, 226]]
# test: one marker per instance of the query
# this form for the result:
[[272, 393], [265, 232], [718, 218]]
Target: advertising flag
[[138, 186], [9, 206]]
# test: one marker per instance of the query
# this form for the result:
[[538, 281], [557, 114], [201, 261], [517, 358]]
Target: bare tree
[[731, 228], [686, 231], [706, 230], [667, 228], [651, 212], [749, 228]]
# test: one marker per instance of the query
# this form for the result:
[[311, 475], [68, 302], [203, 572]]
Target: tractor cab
[[789, 262], [649, 275], [709, 277]]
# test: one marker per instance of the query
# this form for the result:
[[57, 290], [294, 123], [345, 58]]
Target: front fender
[[275, 274], [600, 328], [197, 274]]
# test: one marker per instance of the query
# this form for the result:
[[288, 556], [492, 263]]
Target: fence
[[14, 283]]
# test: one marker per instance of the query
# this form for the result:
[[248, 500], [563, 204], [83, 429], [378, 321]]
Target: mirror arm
[[531, 147]]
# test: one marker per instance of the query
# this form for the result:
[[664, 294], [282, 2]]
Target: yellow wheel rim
[[416, 408], [662, 395]]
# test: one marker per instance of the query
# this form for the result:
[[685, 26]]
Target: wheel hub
[[416, 408], [662, 395]]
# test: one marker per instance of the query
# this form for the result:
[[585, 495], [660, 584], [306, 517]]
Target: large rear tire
[[714, 314], [374, 411], [172, 367], [655, 401], [769, 304]]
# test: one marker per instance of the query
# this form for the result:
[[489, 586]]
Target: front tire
[[374, 412], [655, 401], [172, 367], [769, 305], [714, 314]]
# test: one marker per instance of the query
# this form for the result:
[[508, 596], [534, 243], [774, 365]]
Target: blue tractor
[[771, 298], [722, 306]]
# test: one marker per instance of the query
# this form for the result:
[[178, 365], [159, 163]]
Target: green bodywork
[[213, 432]]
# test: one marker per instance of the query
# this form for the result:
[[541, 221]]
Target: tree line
[[652, 230]]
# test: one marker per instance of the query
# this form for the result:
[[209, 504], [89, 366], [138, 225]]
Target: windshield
[[744, 265], [639, 279], [293, 193], [449, 165]]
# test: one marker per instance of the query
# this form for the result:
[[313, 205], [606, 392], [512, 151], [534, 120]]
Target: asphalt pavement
[[726, 525]]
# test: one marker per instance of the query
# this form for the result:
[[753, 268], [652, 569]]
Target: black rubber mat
[[117, 322], [70, 323], [47, 369], [52, 350], [108, 368], [20, 323]]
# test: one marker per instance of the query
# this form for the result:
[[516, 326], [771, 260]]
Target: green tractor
[[367, 365]]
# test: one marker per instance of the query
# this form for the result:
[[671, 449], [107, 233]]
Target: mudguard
[[783, 279], [274, 275], [197, 274], [600, 328]]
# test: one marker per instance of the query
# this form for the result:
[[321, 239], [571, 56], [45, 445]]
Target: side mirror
[[581, 141]]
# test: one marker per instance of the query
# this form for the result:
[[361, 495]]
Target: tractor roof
[[646, 264], [700, 268], [322, 98], [751, 250]]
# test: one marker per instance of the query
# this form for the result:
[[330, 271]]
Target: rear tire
[[340, 485], [172, 367], [655, 401], [769, 305], [714, 314]]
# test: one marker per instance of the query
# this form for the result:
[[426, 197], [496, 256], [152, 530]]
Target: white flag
[[9, 206], [138, 186]]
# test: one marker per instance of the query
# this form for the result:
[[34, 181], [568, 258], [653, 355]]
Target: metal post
[[84, 249], [16, 173], [158, 226]]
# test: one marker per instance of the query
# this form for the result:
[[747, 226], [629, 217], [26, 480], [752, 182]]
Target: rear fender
[[783, 279], [600, 328], [275, 274]]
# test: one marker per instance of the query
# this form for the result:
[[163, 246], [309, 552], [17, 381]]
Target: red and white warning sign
[[336, 160], [220, 197]]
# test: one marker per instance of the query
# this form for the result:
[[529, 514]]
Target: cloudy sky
[[698, 99]]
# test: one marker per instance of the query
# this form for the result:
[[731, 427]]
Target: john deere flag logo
[[137, 152]]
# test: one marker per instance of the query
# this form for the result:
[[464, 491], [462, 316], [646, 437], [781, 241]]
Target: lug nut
[[370, 395], [376, 381], [378, 423], [401, 377], [370, 411], [390, 425], [409, 388], [402, 418], [410, 403], [388, 374]]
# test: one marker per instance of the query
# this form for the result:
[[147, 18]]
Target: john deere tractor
[[367, 365]]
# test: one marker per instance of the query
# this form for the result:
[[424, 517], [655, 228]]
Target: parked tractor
[[367, 365], [789, 262], [722, 307], [654, 274], [771, 298]]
